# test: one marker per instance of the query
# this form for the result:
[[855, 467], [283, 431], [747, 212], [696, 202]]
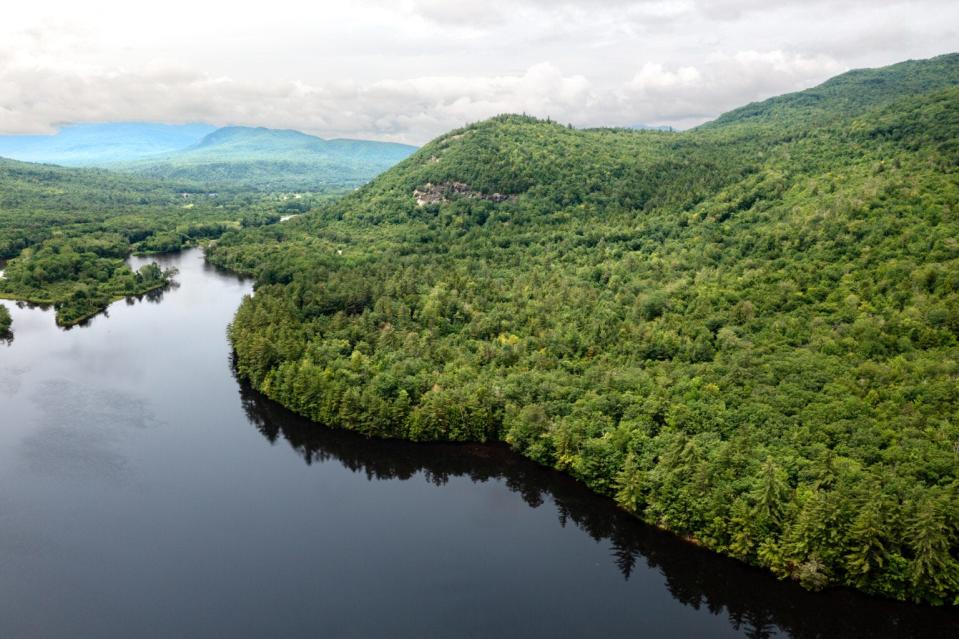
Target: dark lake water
[[145, 493]]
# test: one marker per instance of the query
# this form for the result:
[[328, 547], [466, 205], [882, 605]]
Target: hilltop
[[254, 142], [745, 333]]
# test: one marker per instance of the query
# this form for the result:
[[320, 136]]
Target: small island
[[79, 276]]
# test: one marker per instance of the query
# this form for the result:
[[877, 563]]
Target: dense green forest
[[68, 232], [747, 333]]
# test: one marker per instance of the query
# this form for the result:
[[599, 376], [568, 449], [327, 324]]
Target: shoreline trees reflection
[[754, 602], [5, 323]]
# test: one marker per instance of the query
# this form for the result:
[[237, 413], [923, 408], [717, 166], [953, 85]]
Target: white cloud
[[404, 110], [409, 69], [654, 77], [691, 95]]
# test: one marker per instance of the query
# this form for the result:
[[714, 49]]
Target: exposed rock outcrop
[[445, 191]]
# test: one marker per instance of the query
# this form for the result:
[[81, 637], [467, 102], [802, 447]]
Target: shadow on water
[[754, 602], [152, 297]]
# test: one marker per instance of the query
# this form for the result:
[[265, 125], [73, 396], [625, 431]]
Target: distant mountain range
[[253, 143], [230, 156], [102, 144], [273, 159]]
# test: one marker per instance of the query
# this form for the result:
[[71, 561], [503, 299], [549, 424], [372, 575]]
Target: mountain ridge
[[249, 136], [101, 144], [231, 156], [854, 90], [264, 158]]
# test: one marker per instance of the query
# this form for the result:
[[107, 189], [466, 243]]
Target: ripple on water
[[79, 430], [11, 379]]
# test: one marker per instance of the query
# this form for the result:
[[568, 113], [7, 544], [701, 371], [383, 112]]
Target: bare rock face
[[445, 191]]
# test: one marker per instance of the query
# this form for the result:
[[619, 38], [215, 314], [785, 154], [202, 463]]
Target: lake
[[145, 492]]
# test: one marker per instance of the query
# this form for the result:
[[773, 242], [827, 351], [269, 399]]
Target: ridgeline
[[273, 160]]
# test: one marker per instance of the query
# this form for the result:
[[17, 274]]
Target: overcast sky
[[407, 70]]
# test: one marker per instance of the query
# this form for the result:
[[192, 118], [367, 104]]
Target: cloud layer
[[412, 69]]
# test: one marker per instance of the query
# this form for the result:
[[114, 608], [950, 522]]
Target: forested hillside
[[67, 232], [745, 333]]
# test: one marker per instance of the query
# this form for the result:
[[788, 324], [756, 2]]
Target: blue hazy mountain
[[250, 157], [258, 143], [102, 144], [264, 158]]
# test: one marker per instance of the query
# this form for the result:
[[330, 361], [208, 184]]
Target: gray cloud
[[412, 69]]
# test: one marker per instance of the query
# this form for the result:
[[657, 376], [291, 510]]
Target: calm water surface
[[144, 492]]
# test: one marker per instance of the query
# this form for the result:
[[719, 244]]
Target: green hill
[[849, 94], [746, 333], [270, 159]]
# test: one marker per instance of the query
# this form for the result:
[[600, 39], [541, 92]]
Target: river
[[144, 492]]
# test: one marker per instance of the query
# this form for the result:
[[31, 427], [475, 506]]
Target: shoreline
[[13, 297]]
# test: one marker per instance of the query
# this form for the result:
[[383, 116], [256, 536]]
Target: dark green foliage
[[745, 333]]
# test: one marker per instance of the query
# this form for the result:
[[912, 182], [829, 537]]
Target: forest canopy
[[67, 232], [747, 333]]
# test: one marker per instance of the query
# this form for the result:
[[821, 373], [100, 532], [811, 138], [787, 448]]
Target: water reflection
[[753, 602], [153, 297], [136, 501]]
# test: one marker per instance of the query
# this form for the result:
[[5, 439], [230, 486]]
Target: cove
[[144, 492]]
